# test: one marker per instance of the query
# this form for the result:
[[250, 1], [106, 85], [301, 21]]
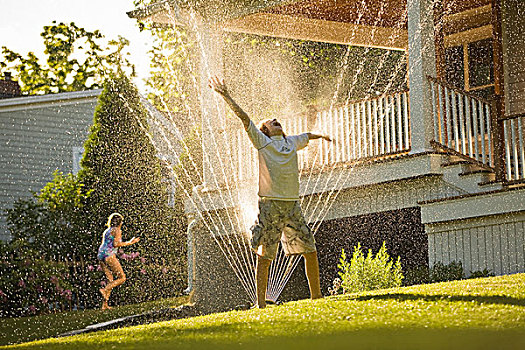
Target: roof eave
[[49, 98], [171, 11]]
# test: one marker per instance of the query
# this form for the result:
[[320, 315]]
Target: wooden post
[[497, 46], [498, 136], [498, 107], [439, 37], [422, 62]]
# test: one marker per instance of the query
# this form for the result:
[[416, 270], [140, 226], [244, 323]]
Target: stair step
[[454, 158], [455, 162], [467, 167], [490, 182], [477, 171], [514, 183]]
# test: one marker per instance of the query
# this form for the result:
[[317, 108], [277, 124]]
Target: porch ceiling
[[353, 22], [387, 13]]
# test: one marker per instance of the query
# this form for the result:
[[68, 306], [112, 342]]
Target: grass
[[485, 313], [23, 329]]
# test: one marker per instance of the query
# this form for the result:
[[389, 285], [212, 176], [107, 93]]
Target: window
[[454, 66], [480, 64], [77, 157], [471, 67], [468, 50]]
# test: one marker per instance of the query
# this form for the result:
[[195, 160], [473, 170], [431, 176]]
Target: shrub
[[450, 272], [417, 275], [439, 273], [370, 272], [52, 222], [149, 282], [482, 273]]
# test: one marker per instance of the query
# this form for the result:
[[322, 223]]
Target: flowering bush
[[145, 281], [370, 272], [30, 285]]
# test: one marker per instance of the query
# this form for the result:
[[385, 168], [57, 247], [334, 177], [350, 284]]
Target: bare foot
[[105, 306]]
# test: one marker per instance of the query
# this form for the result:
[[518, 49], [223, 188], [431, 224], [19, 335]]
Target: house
[[437, 171], [40, 134], [44, 133]]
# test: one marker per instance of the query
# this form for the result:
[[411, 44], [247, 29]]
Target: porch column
[[213, 118], [421, 62]]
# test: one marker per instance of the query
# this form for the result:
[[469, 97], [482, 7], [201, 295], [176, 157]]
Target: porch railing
[[514, 145], [369, 128], [474, 127], [462, 122]]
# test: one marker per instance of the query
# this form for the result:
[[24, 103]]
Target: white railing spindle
[[462, 122]]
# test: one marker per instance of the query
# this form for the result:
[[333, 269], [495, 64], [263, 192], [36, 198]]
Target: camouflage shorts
[[281, 221]]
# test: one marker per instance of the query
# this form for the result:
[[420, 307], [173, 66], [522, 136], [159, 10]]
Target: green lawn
[[486, 313], [23, 329]]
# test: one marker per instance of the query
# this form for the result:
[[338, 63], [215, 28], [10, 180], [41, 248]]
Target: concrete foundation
[[216, 286]]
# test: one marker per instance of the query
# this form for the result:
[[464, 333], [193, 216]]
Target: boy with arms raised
[[280, 216]]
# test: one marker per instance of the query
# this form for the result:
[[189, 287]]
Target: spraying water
[[233, 181]]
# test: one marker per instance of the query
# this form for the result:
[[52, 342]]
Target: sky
[[22, 21]]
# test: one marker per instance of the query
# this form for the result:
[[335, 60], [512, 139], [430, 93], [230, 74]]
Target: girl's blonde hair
[[114, 220]]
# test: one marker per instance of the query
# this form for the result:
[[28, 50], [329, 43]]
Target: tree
[[121, 168], [77, 59]]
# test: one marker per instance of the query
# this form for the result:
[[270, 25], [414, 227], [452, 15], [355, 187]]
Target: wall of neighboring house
[[38, 135], [513, 26]]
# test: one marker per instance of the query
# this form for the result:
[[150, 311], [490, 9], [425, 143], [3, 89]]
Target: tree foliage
[[52, 223], [76, 59], [121, 167], [173, 81]]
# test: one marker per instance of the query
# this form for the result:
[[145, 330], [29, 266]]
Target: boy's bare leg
[[261, 280], [311, 265]]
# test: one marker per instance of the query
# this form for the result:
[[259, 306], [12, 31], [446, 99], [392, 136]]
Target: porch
[[465, 98], [370, 130]]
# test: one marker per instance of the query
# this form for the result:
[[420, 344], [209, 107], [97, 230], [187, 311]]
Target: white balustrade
[[462, 122], [370, 128], [514, 141]]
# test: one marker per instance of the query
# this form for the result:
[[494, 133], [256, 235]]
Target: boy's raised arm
[[220, 87], [312, 136]]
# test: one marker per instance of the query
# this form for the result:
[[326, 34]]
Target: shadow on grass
[[242, 335], [480, 299]]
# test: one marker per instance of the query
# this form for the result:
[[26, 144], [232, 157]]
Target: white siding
[[379, 197], [496, 243], [36, 140]]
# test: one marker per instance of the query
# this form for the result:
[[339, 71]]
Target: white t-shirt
[[278, 166]]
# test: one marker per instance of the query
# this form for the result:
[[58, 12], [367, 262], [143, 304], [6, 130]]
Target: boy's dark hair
[[264, 129]]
